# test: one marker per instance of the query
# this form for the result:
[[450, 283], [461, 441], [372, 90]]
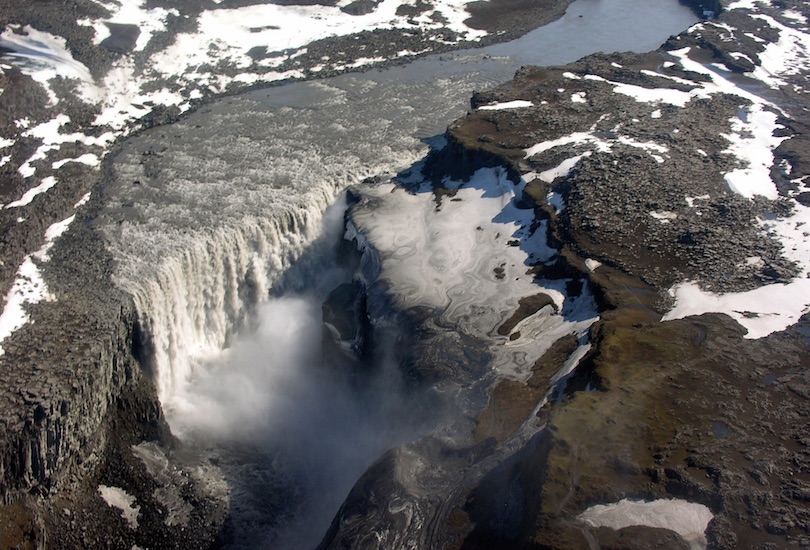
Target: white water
[[206, 216]]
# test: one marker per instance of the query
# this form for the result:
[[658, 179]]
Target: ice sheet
[[469, 261]]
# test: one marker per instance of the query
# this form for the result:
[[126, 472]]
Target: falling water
[[207, 217]]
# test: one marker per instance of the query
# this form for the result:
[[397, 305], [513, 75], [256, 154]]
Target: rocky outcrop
[[75, 402], [685, 409]]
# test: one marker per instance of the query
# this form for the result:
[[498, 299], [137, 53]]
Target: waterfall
[[195, 300]]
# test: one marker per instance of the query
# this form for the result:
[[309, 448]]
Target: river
[[223, 228]]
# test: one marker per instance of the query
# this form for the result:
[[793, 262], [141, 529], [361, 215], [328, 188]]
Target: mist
[[291, 420]]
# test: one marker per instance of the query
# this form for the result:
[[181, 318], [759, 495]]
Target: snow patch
[[561, 170], [43, 57], [761, 311], [517, 104], [579, 97], [690, 201], [29, 195], [88, 159], [590, 139], [118, 498], [752, 141], [131, 12], [29, 287], [663, 216], [688, 519], [592, 264]]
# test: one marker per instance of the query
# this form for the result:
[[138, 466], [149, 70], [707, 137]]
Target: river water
[[223, 226]]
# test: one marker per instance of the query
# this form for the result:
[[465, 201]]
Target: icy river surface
[[223, 226]]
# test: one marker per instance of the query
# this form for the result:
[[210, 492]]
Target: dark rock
[[122, 38]]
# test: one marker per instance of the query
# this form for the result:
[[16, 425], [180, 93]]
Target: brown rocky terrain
[[686, 409], [76, 395]]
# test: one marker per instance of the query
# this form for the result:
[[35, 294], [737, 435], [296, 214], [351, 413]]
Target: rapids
[[223, 228]]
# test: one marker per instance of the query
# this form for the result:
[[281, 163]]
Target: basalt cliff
[[624, 160]]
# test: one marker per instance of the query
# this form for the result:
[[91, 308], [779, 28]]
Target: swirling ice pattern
[[468, 259]]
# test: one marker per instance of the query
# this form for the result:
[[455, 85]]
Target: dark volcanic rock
[[686, 409]]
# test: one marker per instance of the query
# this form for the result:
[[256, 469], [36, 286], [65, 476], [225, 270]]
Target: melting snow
[[690, 201], [43, 57], [579, 97], [506, 105], [118, 498], [592, 264], [29, 195], [469, 259], [562, 169], [88, 159], [773, 307], [131, 12], [664, 217], [753, 142], [599, 144], [688, 519], [29, 286]]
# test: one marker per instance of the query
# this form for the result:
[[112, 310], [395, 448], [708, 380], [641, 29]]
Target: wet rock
[[346, 319]]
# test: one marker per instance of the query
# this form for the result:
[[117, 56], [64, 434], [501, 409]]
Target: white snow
[[517, 104], [579, 97], [761, 311], [88, 159], [690, 201], [648, 146], [773, 307], [52, 139], [283, 29], [664, 216], [576, 137], [688, 519], [788, 56], [131, 12], [29, 195], [592, 264], [562, 169], [647, 95], [118, 498], [753, 142], [795, 16], [469, 259], [44, 57], [767, 309], [82, 201], [590, 139], [29, 286], [656, 114]]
